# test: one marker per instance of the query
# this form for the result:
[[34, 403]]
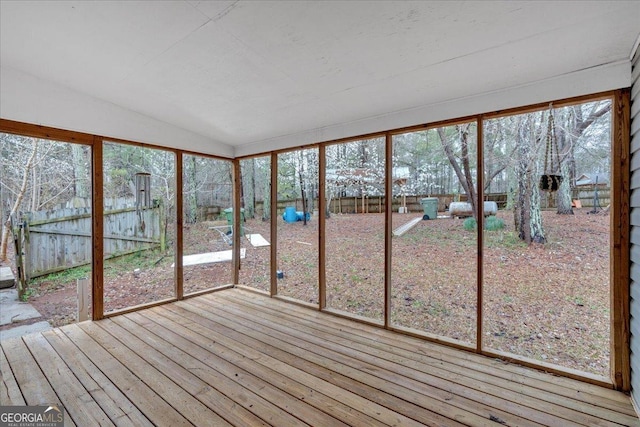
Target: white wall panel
[[28, 99]]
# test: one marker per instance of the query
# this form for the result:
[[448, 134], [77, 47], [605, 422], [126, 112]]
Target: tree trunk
[[252, 214], [527, 215], [563, 195], [6, 228], [192, 195], [302, 189], [35, 188], [522, 211], [574, 125], [248, 189], [464, 173], [80, 171], [266, 203], [536, 232]]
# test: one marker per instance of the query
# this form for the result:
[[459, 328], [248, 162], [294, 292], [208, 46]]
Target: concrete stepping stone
[[7, 280], [19, 331], [12, 310]]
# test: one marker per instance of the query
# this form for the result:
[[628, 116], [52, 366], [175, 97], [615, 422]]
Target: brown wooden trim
[[439, 339], [179, 250], [139, 307], [195, 153], [297, 302], [236, 221], [45, 132], [365, 137], [56, 134], [208, 291], [163, 148], [350, 316], [97, 230], [550, 368], [281, 151], [558, 103], [388, 227], [254, 290], [480, 230], [433, 125], [620, 244], [274, 224], [322, 253], [139, 144]]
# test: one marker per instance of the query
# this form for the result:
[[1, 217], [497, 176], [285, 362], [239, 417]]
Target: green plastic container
[[228, 213], [430, 207]]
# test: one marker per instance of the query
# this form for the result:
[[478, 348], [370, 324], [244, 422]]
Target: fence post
[[26, 247], [83, 299], [17, 231]]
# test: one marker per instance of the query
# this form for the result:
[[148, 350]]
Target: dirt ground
[[548, 302]]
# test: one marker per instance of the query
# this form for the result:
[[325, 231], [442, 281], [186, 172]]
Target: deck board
[[521, 392], [74, 397], [274, 385], [449, 388], [440, 354], [33, 384], [112, 401], [238, 358], [9, 390]]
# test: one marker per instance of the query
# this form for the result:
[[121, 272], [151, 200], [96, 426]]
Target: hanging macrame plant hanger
[[551, 179]]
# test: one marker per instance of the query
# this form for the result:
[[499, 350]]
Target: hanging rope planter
[[551, 179]]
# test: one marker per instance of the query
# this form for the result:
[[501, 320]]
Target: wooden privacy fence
[[375, 204], [55, 240], [586, 195]]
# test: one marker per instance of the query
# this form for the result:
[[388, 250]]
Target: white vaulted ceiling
[[239, 77]]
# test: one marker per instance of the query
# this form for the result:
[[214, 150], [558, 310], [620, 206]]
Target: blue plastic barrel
[[301, 215], [290, 214]]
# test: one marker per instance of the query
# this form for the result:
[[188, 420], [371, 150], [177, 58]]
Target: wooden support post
[[179, 250], [388, 227], [97, 230], [237, 225], [620, 244], [480, 230], [322, 203], [274, 224]]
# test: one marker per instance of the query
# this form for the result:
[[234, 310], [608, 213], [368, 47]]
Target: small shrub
[[491, 223], [469, 224]]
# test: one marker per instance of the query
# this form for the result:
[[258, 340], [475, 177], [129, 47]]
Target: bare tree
[[527, 214], [461, 163], [571, 124], [27, 170]]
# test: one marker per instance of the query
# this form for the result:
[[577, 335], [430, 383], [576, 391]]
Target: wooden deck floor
[[238, 358]]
